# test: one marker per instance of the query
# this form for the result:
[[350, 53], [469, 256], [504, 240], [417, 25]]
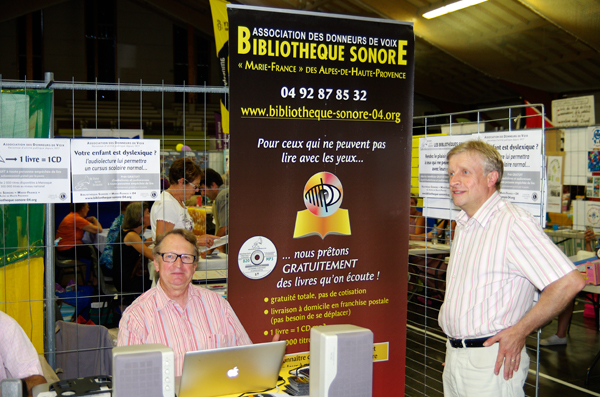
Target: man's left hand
[[511, 344]]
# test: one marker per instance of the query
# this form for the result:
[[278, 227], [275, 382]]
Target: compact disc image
[[257, 257]]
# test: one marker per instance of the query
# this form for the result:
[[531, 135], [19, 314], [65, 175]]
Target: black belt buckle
[[458, 343]]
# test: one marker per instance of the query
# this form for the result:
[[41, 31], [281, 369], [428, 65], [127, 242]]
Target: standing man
[[211, 188], [500, 257]]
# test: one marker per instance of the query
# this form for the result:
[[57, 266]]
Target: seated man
[[18, 358], [212, 186], [175, 313]]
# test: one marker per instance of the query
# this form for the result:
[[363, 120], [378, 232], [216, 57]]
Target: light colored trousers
[[470, 372]]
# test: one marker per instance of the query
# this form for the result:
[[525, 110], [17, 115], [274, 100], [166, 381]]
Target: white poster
[[34, 171], [522, 181], [115, 170], [571, 112], [554, 167], [433, 166], [592, 215], [521, 152]]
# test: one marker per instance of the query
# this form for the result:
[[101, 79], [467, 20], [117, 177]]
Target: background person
[[170, 212], [71, 230], [131, 254], [212, 186], [416, 221], [429, 270], [176, 313], [106, 257], [18, 357], [499, 257], [564, 318]]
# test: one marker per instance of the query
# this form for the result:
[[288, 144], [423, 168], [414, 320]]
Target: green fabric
[[22, 225]]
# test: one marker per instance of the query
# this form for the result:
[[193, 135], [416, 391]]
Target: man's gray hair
[[492, 160]]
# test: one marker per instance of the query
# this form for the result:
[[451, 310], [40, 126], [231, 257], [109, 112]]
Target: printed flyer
[[320, 157]]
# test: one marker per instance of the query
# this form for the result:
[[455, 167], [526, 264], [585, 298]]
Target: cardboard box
[[590, 271]]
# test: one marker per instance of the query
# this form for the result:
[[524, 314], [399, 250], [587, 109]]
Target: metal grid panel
[[135, 106]]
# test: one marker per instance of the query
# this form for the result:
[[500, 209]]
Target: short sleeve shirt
[[18, 357], [499, 258], [71, 231], [168, 209]]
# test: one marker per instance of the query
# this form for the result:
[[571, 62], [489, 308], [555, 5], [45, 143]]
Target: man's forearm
[[553, 299], [32, 381]]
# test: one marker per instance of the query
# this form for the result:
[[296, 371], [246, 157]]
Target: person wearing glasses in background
[[170, 211], [176, 313]]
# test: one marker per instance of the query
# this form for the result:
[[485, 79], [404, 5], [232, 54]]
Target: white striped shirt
[[207, 322], [499, 257], [18, 357]]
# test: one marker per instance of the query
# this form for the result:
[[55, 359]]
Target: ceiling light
[[459, 5]]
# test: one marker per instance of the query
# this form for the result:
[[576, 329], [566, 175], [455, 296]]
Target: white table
[[214, 280], [423, 247], [99, 239], [569, 240], [213, 262]]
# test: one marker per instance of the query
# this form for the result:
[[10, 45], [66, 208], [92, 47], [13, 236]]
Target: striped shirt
[[207, 322], [499, 257], [18, 357]]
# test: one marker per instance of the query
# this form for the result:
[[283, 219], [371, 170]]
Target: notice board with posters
[[320, 157]]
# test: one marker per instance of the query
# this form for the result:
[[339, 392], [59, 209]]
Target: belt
[[458, 343]]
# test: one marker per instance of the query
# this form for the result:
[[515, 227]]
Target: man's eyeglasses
[[171, 257], [196, 188]]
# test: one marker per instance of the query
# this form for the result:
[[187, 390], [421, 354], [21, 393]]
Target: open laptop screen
[[229, 370]]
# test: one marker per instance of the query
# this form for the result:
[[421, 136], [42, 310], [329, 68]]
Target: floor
[[562, 368]]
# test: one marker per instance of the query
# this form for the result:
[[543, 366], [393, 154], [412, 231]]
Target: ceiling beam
[[580, 21], [12, 9], [183, 13]]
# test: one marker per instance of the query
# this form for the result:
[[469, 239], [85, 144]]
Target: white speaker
[[341, 361], [143, 371], [11, 387]]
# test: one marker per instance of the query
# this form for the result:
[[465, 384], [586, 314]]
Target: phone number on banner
[[324, 93]]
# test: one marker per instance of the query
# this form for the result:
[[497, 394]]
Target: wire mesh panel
[[81, 287]]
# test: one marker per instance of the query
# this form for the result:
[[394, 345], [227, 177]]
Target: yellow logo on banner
[[323, 194]]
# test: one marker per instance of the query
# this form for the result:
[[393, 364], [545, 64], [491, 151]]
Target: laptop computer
[[229, 370]]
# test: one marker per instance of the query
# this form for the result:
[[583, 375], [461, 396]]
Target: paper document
[[216, 243]]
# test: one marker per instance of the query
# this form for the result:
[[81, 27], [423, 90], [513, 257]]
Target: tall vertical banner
[[218, 10], [321, 129]]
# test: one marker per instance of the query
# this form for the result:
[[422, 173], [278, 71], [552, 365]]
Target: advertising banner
[[522, 182], [321, 132], [115, 170], [35, 171]]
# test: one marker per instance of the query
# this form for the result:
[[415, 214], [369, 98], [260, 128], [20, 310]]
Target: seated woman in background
[[131, 254], [70, 232]]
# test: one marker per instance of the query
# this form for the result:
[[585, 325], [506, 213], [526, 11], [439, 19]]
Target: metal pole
[[49, 258], [114, 87]]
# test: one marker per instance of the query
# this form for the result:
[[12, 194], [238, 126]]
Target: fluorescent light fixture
[[459, 5]]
